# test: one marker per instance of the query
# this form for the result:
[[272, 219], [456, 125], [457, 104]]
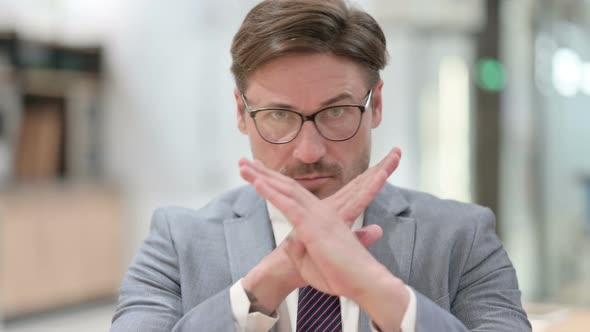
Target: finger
[[389, 163], [352, 199], [269, 172], [364, 197], [251, 174], [292, 209], [369, 235], [252, 170], [246, 172], [371, 186], [287, 183], [260, 169]]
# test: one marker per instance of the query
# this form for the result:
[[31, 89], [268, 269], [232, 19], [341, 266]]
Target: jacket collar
[[391, 211]]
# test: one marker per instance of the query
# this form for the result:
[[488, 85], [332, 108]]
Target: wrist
[[265, 291], [386, 301], [256, 305]]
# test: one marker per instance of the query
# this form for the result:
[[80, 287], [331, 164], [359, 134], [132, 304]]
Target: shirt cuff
[[244, 320], [409, 318]]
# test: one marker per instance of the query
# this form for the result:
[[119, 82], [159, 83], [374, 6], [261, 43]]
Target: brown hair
[[277, 27]]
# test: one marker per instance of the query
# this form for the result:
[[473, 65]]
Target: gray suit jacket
[[447, 251]]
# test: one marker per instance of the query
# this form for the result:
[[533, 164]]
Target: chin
[[319, 194], [322, 193]]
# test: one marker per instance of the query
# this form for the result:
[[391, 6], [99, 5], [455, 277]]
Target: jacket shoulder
[[431, 210], [218, 209]]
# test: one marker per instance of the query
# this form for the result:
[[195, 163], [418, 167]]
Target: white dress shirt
[[246, 321]]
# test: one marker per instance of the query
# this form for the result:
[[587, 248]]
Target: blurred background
[[111, 108]]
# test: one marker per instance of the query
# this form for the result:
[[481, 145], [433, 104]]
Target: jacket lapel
[[248, 236], [390, 210]]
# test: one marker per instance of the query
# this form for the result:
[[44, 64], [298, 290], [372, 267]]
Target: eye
[[336, 112], [279, 115]]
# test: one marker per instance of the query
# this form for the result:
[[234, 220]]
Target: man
[[319, 241]]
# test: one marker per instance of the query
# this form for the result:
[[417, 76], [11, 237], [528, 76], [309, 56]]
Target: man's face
[[307, 83]]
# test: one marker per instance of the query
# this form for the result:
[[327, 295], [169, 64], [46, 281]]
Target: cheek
[[273, 156], [242, 126], [358, 153], [362, 139], [361, 156]]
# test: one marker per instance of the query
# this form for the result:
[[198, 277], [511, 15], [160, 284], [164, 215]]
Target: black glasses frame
[[311, 117]]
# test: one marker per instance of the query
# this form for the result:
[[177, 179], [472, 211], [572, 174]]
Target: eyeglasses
[[281, 125]]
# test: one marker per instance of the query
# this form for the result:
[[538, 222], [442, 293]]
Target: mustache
[[322, 168]]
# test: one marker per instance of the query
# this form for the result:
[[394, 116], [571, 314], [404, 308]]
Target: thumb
[[368, 235], [294, 248]]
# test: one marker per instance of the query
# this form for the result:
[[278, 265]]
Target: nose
[[310, 145]]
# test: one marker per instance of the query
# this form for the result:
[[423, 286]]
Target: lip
[[313, 181], [312, 176]]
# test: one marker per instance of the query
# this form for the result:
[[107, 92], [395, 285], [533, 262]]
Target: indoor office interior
[[111, 108]]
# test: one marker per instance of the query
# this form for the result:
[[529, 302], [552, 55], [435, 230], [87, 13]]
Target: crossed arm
[[321, 250]]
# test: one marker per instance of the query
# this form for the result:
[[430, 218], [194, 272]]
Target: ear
[[377, 105], [240, 111]]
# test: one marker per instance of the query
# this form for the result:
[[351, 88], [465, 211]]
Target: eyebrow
[[335, 99]]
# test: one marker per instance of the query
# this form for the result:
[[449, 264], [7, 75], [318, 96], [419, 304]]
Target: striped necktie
[[318, 312]]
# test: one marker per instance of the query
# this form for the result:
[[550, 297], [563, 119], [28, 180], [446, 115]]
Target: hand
[[324, 251], [350, 201], [275, 277], [347, 204]]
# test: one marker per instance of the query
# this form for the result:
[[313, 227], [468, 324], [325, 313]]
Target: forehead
[[306, 80]]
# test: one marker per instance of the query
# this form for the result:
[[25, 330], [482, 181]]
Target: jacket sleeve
[[487, 299], [150, 295]]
